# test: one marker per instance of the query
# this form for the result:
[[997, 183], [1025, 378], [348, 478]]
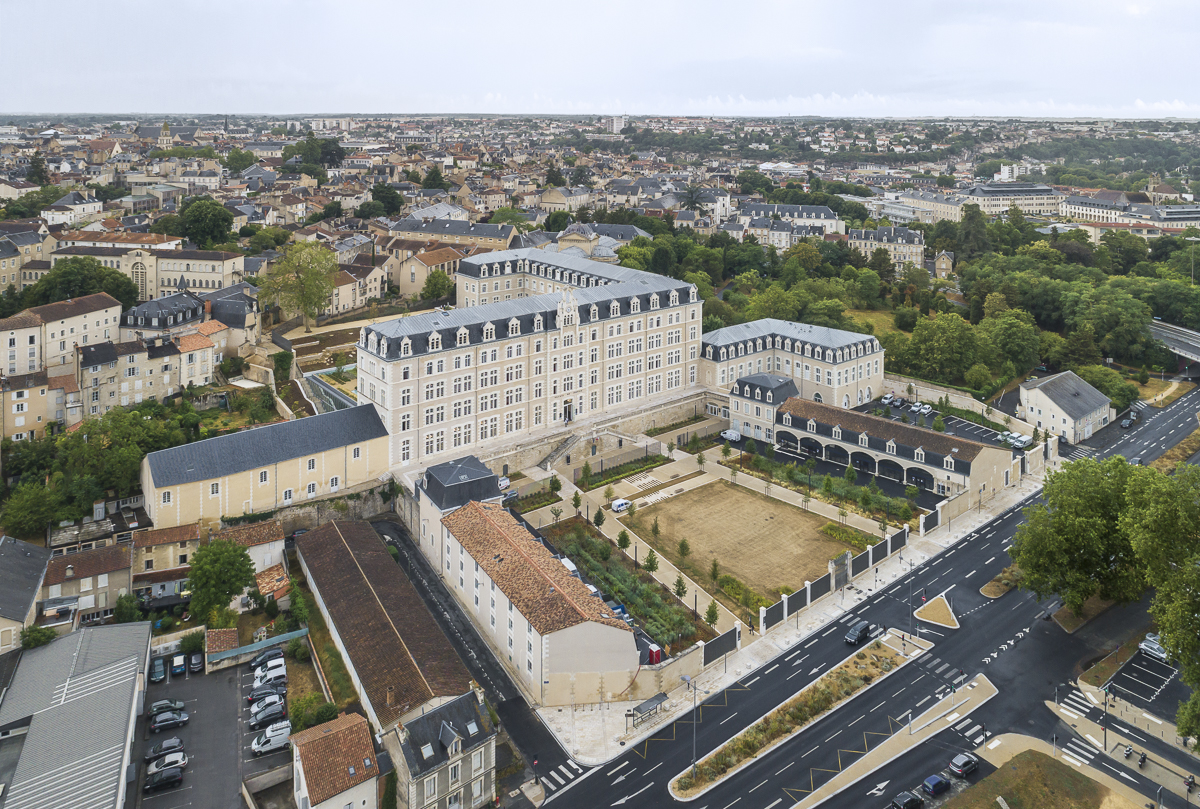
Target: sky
[[854, 58]]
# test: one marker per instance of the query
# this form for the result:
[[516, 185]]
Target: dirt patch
[[768, 545], [302, 681], [1033, 780], [1005, 580], [938, 612], [1104, 668], [1069, 621]]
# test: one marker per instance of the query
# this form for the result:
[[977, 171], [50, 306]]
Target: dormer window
[[812, 425], [514, 328], [787, 419], [891, 447], [758, 393], [489, 332], [741, 349], [862, 439], [614, 309], [948, 463], [828, 355], [463, 337], [654, 301], [708, 353], [635, 305], [435, 342], [405, 347], [692, 295], [674, 297], [919, 455], [837, 433], [770, 396], [807, 350], [483, 272], [537, 323], [595, 313], [736, 390], [758, 345], [723, 356]]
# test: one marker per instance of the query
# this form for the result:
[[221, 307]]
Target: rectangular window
[[214, 489]]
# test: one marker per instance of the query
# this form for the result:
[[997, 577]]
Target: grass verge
[[832, 688], [1100, 673], [1005, 580], [1180, 452], [340, 684], [677, 426], [615, 473], [537, 500], [1033, 780], [1070, 622]]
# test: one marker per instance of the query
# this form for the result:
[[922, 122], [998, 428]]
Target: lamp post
[[687, 679], [1193, 240]]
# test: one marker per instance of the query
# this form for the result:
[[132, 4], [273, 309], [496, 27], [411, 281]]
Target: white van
[[620, 505], [275, 737]]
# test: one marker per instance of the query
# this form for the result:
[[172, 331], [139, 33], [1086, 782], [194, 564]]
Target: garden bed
[[937, 612], [677, 426], [1005, 580], [818, 698], [1110, 664], [615, 473], [539, 499], [1034, 780], [1068, 620], [332, 664]]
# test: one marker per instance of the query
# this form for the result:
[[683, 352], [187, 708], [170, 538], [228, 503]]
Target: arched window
[[817, 398], [846, 402], [489, 332]]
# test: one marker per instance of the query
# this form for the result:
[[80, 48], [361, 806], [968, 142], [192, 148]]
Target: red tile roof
[[336, 756]]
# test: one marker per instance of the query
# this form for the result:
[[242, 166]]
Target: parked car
[[162, 706], [168, 720], [964, 764], [503, 482], [290, 541], [268, 716], [274, 677], [1126, 423], [264, 703], [164, 780], [196, 663], [510, 496], [900, 402], [163, 748], [273, 738], [935, 785], [731, 435], [859, 632], [926, 409], [158, 670], [270, 666], [167, 762], [178, 665], [1152, 648], [265, 691], [265, 656], [915, 407], [907, 800], [886, 399]]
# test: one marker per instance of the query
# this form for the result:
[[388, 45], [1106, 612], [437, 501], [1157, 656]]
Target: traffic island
[[938, 612], [861, 670]]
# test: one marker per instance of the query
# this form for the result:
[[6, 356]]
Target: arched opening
[[812, 446], [817, 398], [860, 398], [863, 462], [846, 401], [787, 440], [888, 468], [919, 477], [869, 396], [837, 455]]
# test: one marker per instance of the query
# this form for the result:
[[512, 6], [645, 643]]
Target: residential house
[[267, 468], [454, 231], [47, 335], [559, 640], [72, 208], [22, 571], [378, 621], [334, 765], [263, 541], [565, 199], [752, 403], [196, 360], [160, 559], [447, 757], [87, 584], [413, 272], [443, 488], [31, 404], [1064, 405]]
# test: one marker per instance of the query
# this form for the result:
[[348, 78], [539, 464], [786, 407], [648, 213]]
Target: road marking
[[832, 737], [754, 788], [1069, 713], [877, 707], [777, 802], [852, 724], [726, 719], [793, 654], [810, 751], [768, 671], [1088, 694], [576, 766], [731, 804], [1153, 719], [618, 768], [922, 702], [801, 660], [790, 763], [989, 561], [793, 674], [811, 642], [831, 629], [752, 682], [557, 777], [566, 772], [969, 575], [971, 732], [995, 743], [652, 769], [1099, 746]]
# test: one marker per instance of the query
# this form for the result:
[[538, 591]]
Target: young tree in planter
[[670, 448], [726, 451], [680, 586], [598, 519], [655, 530], [609, 493], [631, 512], [685, 549], [911, 492], [700, 461], [938, 424], [556, 512], [577, 501], [585, 475], [555, 484], [623, 540], [714, 571], [651, 563], [712, 614]]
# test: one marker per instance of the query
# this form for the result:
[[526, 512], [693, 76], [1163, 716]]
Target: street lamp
[[687, 679], [1056, 687], [1193, 240]]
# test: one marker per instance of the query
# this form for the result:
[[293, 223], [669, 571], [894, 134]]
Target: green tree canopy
[[437, 285], [555, 178], [302, 281], [77, 276], [37, 173], [206, 222], [434, 179], [387, 196], [219, 571], [238, 160]]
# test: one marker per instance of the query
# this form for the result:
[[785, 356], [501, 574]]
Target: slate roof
[[264, 446], [802, 333], [76, 697], [780, 388], [389, 634], [888, 235], [440, 228], [183, 306], [336, 756], [103, 353], [22, 568], [763, 209], [537, 583], [455, 483], [1073, 396], [432, 728], [108, 559]]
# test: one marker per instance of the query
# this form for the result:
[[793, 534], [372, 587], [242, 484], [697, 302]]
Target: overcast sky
[[1063, 58]]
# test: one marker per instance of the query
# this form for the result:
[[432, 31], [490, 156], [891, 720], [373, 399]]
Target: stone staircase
[[562, 449]]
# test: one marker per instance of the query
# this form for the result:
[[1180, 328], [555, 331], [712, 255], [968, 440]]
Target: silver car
[[168, 761], [926, 409], [1152, 648]]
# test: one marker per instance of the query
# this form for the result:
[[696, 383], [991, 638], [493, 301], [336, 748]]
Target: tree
[[972, 233], [726, 451], [370, 210], [632, 510], [511, 216], [238, 160], [685, 549], [1073, 545], [555, 484], [220, 571], [331, 211], [623, 540], [126, 609], [851, 474], [78, 276], [609, 493], [690, 199], [36, 173], [701, 460], [555, 178], [302, 281], [388, 197], [435, 180], [576, 501], [557, 221], [655, 530], [714, 571], [943, 347], [35, 636], [314, 170], [580, 176], [881, 263], [680, 586], [555, 512], [192, 643], [711, 614], [585, 474], [437, 285], [651, 563], [598, 519], [978, 376], [30, 508], [206, 222], [938, 424]]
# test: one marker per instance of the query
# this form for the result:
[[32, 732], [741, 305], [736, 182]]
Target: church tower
[[164, 136]]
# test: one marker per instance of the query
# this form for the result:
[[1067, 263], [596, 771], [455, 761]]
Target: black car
[[859, 632], [158, 670], [268, 716], [964, 764], [171, 745], [165, 779], [901, 402], [1126, 423], [168, 720], [290, 541], [907, 800], [266, 691], [196, 663], [162, 706], [266, 656]]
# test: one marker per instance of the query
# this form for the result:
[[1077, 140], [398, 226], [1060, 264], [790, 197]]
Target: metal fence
[[720, 646], [819, 587], [773, 615], [859, 564], [929, 521], [602, 465], [797, 601]]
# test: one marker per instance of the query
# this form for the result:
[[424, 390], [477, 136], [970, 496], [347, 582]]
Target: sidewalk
[[1139, 718], [1002, 748]]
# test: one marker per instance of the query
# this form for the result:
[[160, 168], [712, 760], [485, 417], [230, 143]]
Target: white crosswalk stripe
[[1080, 750], [561, 776]]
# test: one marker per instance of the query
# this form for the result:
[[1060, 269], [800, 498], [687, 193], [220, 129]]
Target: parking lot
[[216, 739], [954, 425], [1150, 684]]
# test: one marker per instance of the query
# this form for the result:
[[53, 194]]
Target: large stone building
[[819, 216], [995, 198], [45, 337], [158, 273], [903, 246], [1064, 405], [576, 344]]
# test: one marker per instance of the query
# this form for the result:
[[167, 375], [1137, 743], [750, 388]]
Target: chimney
[[208, 308], [391, 696]]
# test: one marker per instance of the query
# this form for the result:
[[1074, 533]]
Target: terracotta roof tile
[[523, 568], [194, 342], [160, 576], [272, 580], [210, 327], [221, 640], [336, 756], [108, 559], [253, 534], [149, 537], [389, 635]]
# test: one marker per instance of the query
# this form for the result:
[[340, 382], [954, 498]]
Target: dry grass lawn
[[1033, 780], [938, 612], [1180, 452], [766, 544], [881, 319], [1168, 390], [302, 681]]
